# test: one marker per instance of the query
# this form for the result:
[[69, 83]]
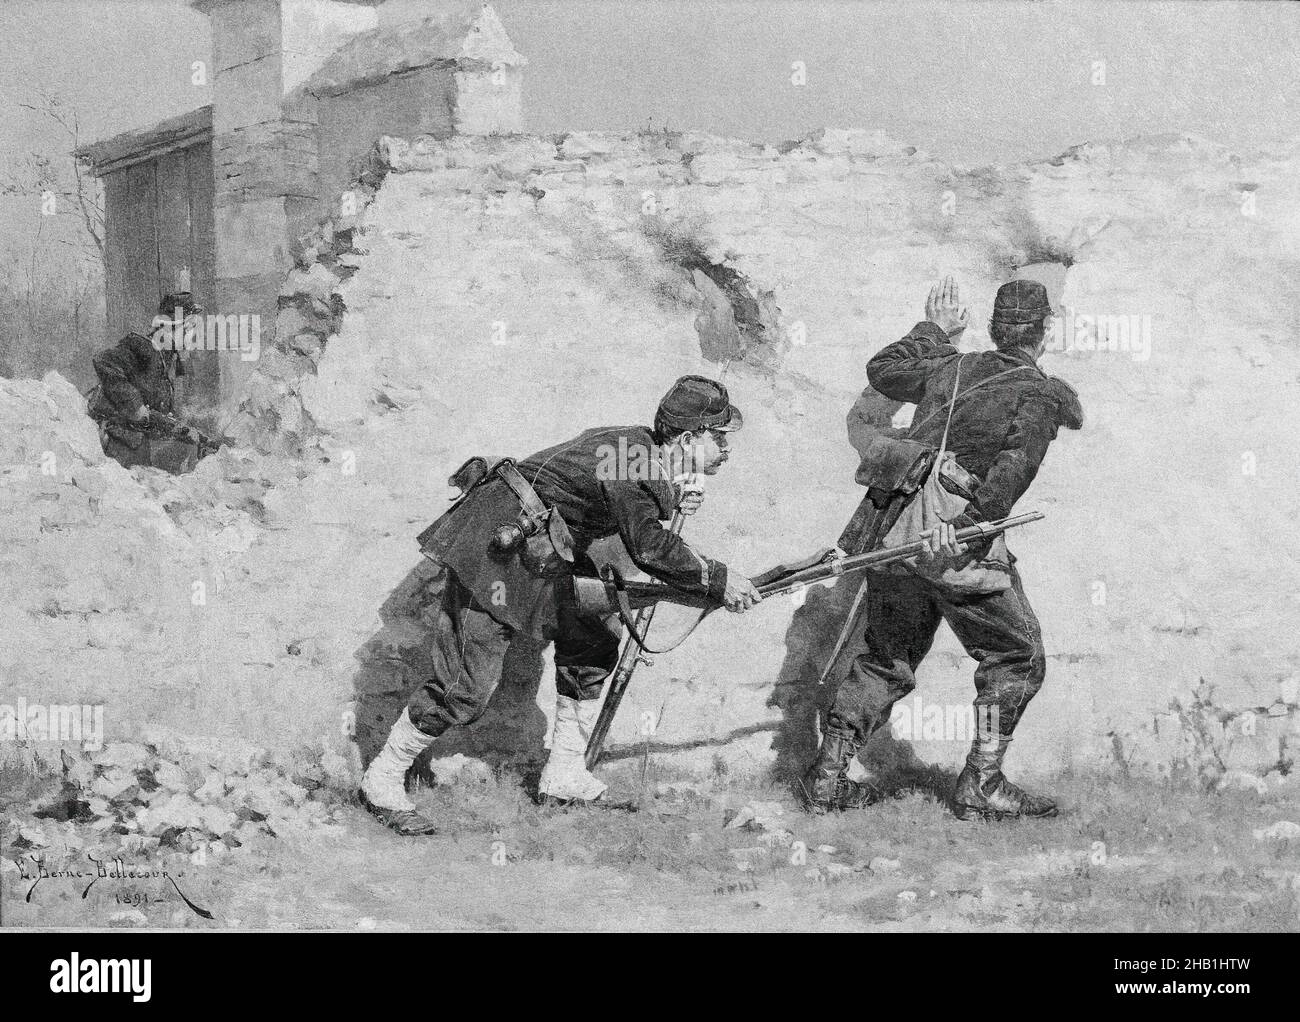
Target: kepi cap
[[696, 402], [1021, 301], [182, 300]]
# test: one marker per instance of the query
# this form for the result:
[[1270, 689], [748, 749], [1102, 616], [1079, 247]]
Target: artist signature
[[115, 870]]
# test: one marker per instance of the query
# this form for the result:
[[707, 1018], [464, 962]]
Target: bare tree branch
[[53, 109]]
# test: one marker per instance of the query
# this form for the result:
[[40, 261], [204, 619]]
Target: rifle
[[167, 427], [175, 429], [611, 594], [631, 655]]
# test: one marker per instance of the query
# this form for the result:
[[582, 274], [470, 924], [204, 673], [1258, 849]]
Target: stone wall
[[421, 102], [302, 89], [515, 290]]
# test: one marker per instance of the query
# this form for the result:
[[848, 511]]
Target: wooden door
[[159, 238]]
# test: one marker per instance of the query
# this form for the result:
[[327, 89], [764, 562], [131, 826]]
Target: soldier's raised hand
[[943, 307]]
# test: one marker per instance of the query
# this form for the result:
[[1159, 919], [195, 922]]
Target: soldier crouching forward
[[511, 547], [996, 412]]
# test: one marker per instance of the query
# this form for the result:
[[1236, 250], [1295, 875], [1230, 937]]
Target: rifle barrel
[[647, 594], [844, 565]]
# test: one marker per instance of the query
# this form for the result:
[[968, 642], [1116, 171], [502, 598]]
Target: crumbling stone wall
[[271, 415], [496, 294], [419, 102], [299, 95], [560, 242]]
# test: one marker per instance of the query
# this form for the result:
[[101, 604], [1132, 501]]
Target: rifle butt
[[628, 658]]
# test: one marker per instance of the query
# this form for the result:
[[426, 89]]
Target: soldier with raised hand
[[999, 434], [505, 576]]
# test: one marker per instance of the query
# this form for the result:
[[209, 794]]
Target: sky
[[968, 81], [971, 82]]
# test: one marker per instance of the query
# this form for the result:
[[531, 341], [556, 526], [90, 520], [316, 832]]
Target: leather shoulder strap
[[966, 393], [613, 579], [528, 499], [952, 403]]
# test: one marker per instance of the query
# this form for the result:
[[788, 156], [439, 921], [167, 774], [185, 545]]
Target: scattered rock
[[758, 816], [213, 788], [146, 796], [77, 770], [113, 783], [99, 806], [879, 864], [1277, 779], [1243, 781], [32, 837], [171, 777], [66, 805], [176, 813], [125, 755], [1283, 830]]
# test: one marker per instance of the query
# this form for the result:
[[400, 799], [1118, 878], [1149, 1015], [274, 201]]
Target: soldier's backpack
[[538, 535], [915, 488]]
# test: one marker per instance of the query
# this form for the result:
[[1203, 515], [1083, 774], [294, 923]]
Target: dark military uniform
[[134, 374], [511, 548], [489, 597], [1005, 414], [131, 374], [1000, 434]]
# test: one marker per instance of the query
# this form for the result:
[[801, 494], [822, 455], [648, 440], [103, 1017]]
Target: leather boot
[[826, 788], [983, 793], [383, 788]]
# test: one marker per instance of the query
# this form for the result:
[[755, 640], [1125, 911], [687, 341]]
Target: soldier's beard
[[685, 457]]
